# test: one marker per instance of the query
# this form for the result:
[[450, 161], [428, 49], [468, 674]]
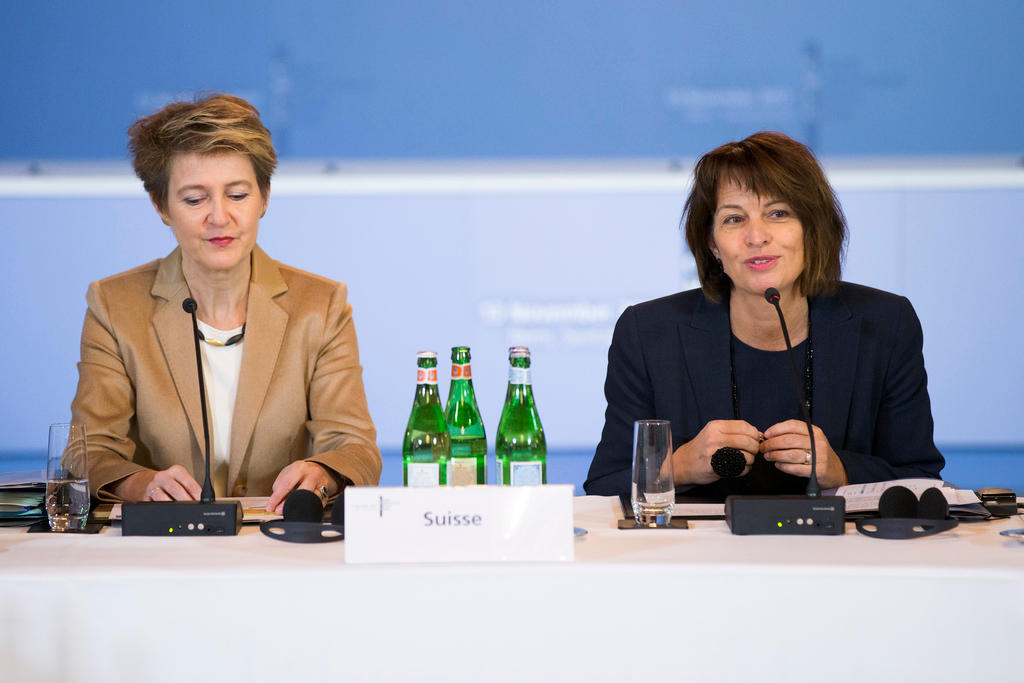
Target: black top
[[669, 359], [767, 396]]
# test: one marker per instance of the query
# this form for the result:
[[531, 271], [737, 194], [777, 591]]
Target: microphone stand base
[[786, 515], [181, 518]]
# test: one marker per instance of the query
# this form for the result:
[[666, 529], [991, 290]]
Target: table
[[697, 604]]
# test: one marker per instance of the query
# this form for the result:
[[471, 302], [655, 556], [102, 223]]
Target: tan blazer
[[300, 389]]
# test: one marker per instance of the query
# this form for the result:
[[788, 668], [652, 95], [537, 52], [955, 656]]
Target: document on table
[[686, 507], [19, 480], [864, 497], [699, 510], [21, 497], [254, 509]]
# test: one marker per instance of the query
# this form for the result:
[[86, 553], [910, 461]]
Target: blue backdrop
[[531, 78]]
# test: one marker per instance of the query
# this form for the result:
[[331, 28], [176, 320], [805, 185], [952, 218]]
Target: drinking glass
[[67, 482], [654, 490]]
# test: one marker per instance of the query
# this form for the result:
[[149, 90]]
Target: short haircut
[[774, 165], [212, 124]]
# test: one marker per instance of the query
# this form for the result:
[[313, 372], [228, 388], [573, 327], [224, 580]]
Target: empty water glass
[[654, 489]]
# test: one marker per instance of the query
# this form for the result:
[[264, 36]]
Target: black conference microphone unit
[[303, 520], [185, 517], [808, 515]]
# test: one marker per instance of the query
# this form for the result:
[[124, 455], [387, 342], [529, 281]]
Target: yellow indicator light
[[780, 524], [170, 530]]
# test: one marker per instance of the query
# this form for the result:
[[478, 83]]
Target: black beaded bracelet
[[728, 462]]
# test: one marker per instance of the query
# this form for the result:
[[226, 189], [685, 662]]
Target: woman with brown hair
[[284, 385], [713, 361]]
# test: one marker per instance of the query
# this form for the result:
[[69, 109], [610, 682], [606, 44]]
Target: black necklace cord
[[216, 342], [771, 295]]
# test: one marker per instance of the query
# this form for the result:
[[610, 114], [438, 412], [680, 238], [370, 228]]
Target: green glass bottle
[[468, 462], [425, 448], [519, 447]]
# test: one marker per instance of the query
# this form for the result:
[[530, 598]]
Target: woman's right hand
[[174, 483], [692, 461]]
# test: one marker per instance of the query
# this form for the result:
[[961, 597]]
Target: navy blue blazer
[[669, 359]]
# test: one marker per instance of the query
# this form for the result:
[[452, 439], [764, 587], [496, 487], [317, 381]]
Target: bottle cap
[[518, 352], [426, 354]]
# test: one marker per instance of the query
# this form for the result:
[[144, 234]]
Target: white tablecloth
[[697, 604]]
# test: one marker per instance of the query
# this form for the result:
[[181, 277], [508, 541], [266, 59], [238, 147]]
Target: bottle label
[[426, 375], [461, 371], [423, 474], [461, 471], [518, 375], [526, 473]]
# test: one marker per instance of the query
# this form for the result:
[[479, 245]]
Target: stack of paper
[[864, 497], [22, 498]]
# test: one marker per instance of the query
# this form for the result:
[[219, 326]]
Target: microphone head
[[932, 505], [302, 505], [189, 305], [897, 501], [771, 295]]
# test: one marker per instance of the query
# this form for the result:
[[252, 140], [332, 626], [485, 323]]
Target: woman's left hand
[[301, 474], [787, 445]]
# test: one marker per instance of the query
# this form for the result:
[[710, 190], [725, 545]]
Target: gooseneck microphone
[[190, 306], [810, 514], [206, 517], [771, 295]]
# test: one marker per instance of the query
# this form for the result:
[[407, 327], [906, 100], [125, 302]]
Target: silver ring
[[807, 457], [152, 492], [323, 492]]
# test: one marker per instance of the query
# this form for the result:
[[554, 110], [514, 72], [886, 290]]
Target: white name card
[[459, 524]]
